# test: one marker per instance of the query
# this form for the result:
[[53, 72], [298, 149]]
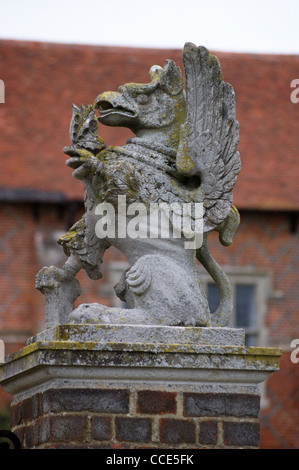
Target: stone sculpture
[[184, 152]]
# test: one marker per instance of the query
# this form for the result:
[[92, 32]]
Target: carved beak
[[112, 107]]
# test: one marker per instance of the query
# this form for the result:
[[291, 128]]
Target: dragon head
[[159, 104]]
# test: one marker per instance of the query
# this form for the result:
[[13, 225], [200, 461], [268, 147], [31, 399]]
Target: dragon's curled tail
[[226, 231]]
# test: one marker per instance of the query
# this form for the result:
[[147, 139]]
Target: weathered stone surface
[[143, 334], [184, 157], [61, 290], [68, 361]]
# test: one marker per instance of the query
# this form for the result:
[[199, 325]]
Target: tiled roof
[[43, 80]]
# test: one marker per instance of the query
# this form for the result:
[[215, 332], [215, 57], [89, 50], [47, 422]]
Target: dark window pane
[[245, 305], [250, 340], [213, 297]]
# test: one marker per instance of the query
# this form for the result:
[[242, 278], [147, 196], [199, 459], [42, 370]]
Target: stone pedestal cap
[[94, 355]]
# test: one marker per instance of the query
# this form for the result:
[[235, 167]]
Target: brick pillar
[[129, 395]]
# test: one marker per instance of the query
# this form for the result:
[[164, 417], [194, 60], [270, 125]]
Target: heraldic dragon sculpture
[[185, 151]]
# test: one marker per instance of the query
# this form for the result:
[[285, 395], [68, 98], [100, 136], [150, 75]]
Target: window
[[245, 309], [250, 295]]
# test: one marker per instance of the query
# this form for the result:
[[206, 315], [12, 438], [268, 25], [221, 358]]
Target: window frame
[[242, 276]]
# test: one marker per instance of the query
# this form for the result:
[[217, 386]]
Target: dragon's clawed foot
[[82, 161]]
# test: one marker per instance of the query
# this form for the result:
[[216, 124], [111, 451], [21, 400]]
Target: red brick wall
[[264, 241], [19, 303], [279, 421], [128, 418]]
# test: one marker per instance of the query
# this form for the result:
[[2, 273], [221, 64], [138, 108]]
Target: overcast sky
[[264, 26]]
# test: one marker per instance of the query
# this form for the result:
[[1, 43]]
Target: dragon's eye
[[142, 99]]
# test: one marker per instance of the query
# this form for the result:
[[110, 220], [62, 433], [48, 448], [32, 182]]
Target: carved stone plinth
[[137, 387]]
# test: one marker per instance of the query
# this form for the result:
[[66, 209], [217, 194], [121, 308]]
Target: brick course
[[102, 401], [241, 434], [177, 431], [101, 428], [208, 433], [156, 402], [55, 419], [207, 404], [133, 429]]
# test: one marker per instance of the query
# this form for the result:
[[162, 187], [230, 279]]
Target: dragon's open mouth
[[106, 108]]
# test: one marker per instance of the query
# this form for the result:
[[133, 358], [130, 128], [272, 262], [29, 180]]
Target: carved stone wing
[[210, 134]]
